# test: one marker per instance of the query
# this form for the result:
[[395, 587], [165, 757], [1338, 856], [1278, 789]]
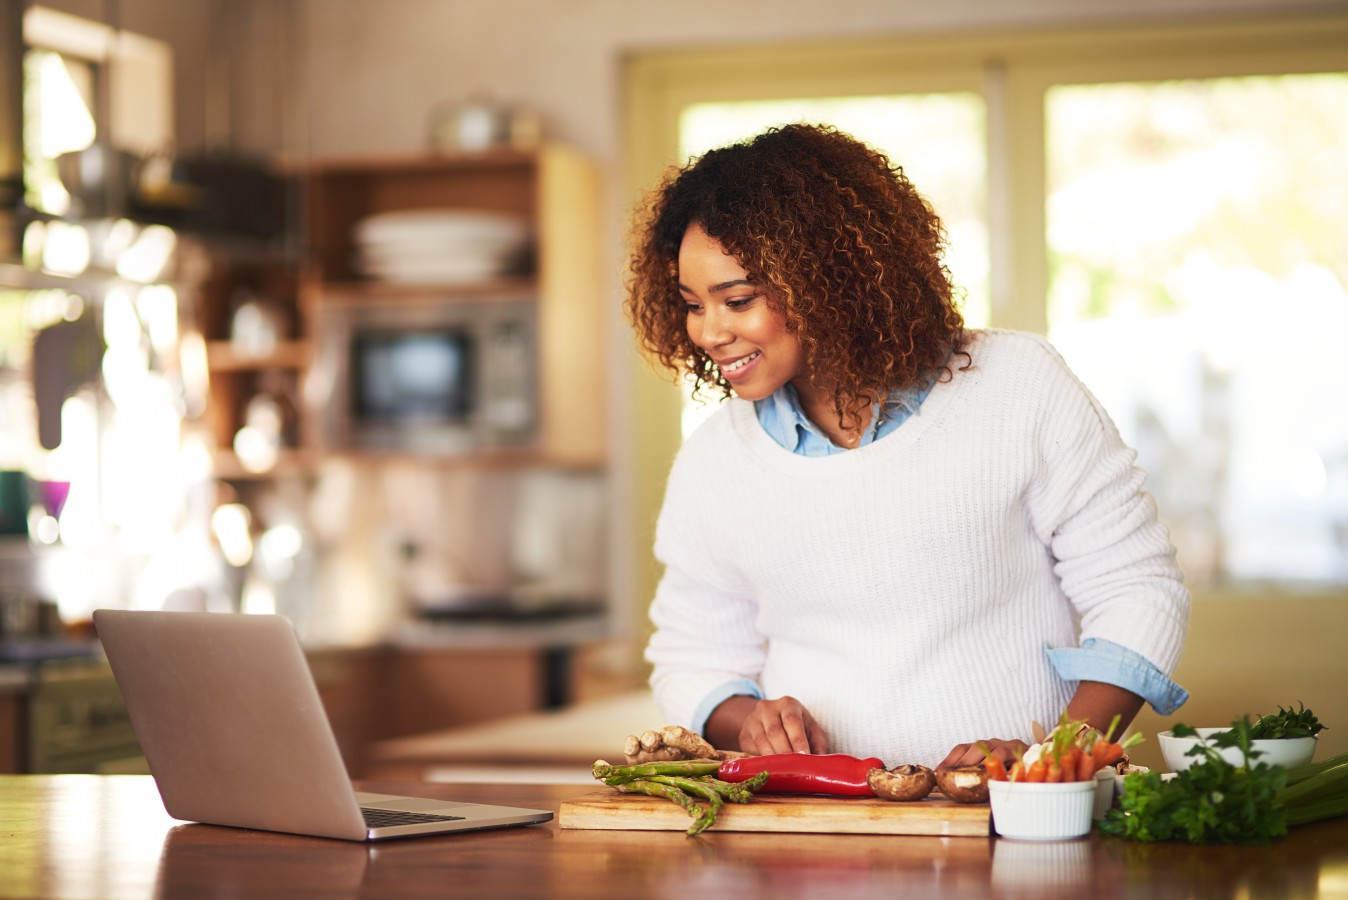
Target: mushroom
[[906, 782], [963, 784]]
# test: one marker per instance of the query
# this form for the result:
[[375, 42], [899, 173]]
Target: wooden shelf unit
[[223, 356], [554, 187], [236, 376], [557, 190]]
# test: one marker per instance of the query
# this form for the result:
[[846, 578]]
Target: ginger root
[[669, 744]]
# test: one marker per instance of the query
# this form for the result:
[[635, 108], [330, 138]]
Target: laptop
[[230, 721]]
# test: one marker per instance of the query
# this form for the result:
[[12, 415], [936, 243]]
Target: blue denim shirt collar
[[785, 421]]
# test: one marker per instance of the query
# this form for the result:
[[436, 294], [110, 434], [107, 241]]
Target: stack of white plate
[[440, 245]]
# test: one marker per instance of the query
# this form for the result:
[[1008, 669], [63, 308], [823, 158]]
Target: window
[[1198, 265], [1164, 202], [58, 123]]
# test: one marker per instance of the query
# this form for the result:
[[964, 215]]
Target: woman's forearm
[[724, 723], [1098, 703]]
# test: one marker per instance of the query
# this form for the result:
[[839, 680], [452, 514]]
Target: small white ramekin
[[1028, 811], [1105, 792]]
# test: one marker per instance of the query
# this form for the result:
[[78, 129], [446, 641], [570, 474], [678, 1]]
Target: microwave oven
[[428, 377]]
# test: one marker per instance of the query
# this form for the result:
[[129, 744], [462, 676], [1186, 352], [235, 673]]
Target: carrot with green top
[[993, 765], [1106, 753]]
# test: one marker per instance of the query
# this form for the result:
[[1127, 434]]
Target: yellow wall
[[1250, 655]]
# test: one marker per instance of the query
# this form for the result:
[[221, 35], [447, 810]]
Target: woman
[[899, 538]]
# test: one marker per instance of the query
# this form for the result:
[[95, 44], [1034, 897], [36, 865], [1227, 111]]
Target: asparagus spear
[[662, 790], [708, 817], [704, 816], [754, 784], [715, 800], [614, 775], [742, 792]]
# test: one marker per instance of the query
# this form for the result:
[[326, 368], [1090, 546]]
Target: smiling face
[[729, 317]]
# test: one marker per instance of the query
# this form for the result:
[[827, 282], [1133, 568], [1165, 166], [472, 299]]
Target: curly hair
[[840, 239]]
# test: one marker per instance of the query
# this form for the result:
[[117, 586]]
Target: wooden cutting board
[[608, 809]]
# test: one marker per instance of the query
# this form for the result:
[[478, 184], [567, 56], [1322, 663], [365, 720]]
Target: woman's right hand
[[973, 754], [760, 727]]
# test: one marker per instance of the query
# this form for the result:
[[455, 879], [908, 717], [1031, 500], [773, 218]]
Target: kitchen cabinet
[[375, 693], [352, 683], [13, 731], [555, 190], [435, 688], [64, 715]]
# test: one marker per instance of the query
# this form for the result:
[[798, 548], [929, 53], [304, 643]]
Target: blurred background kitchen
[[311, 307]]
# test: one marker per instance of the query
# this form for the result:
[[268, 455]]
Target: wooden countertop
[[66, 836]]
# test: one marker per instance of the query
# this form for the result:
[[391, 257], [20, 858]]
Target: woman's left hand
[[971, 754]]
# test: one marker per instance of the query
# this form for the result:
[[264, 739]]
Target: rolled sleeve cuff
[[738, 687], [1110, 663]]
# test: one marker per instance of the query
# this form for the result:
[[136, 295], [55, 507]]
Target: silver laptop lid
[[230, 720]]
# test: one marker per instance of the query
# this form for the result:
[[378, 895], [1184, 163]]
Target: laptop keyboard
[[384, 818]]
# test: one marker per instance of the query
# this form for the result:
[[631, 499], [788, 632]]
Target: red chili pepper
[[805, 773]]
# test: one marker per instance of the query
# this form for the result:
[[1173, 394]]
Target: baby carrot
[[1037, 772], [1086, 767], [1017, 772], [1071, 763], [996, 769], [1106, 753]]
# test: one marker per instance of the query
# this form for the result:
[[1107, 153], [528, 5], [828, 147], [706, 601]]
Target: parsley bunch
[[1211, 802]]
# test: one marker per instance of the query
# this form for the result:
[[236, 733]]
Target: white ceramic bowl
[[1042, 812], [1286, 752], [1120, 781]]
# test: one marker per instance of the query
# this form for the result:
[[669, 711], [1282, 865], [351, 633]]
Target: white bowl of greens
[[1285, 752], [1286, 738]]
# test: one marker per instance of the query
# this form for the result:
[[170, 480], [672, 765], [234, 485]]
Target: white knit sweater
[[906, 592]]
